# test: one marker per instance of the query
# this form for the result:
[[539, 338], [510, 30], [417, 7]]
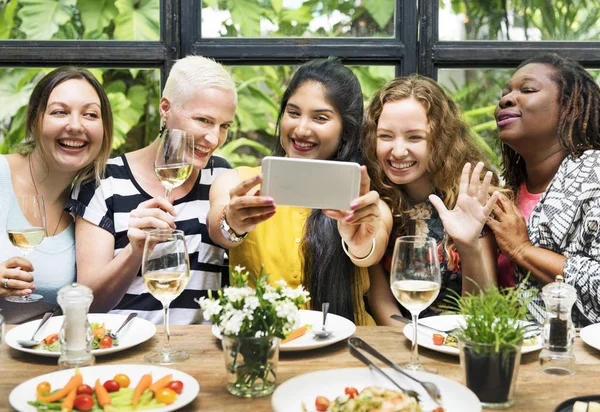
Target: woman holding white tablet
[[320, 118]]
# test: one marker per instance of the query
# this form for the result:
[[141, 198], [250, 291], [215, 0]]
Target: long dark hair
[[578, 114], [329, 274]]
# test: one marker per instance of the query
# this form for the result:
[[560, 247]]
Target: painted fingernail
[[354, 206], [348, 218], [269, 200]]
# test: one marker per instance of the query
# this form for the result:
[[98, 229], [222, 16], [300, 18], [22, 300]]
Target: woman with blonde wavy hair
[[419, 153]]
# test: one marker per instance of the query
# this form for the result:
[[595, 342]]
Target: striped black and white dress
[[109, 205]]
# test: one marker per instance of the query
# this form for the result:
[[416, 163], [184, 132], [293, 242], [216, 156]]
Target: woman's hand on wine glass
[[156, 213], [15, 273], [473, 206], [359, 225], [247, 208]]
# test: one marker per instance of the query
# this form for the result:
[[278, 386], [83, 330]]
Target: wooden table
[[535, 390]]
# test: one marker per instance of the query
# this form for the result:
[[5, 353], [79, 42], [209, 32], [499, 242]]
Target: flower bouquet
[[252, 321]]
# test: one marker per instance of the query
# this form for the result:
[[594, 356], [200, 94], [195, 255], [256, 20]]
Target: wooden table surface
[[535, 390]]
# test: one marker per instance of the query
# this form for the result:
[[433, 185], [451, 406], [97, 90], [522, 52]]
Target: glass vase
[[251, 365], [491, 372]]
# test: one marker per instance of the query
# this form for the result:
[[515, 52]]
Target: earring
[[518, 159]]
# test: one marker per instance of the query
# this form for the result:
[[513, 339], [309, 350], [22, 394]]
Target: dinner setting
[[381, 256]]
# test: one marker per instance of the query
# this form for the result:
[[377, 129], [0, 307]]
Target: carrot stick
[[74, 382], [50, 337], [296, 333], [142, 385], [69, 401], [161, 383], [102, 395]]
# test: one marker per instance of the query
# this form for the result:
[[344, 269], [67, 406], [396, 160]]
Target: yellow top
[[275, 244]]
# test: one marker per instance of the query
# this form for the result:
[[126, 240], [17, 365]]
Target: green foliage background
[[134, 93]]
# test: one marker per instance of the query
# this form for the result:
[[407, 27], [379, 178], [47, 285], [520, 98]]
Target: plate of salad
[[446, 342], [107, 387], [103, 325]]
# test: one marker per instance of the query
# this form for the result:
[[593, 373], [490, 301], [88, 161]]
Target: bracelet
[[356, 259]]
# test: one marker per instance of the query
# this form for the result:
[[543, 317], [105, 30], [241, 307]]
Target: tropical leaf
[[96, 15], [15, 88], [127, 111], [300, 15], [7, 21], [41, 19], [246, 14], [381, 10], [137, 20]]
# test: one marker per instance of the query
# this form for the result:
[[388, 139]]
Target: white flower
[[282, 283], [233, 323], [259, 334], [237, 294], [251, 303], [271, 296], [294, 293], [210, 307], [285, 308], [239, 269]]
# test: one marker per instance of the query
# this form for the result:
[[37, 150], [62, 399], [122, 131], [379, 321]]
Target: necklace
[[36, 192]]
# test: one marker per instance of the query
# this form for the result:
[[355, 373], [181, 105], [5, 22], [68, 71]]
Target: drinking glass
[[166, 272], [26, 228], [415, 280], [174, 156]]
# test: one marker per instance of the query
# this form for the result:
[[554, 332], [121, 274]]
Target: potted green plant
[[490, 341], [252, 320]]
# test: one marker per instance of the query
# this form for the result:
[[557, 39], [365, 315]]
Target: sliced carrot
[[101, 331], [51, 338], [74, 382], [295, 334], [142, 385], [161, 383], [69, 401], [102, 395]]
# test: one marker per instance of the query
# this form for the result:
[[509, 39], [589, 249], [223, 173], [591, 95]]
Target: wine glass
[[415, 280], [174, 156], [166, 272], [26, 228]]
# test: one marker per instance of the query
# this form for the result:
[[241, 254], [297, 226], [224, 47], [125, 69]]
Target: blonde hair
[[35, 117], [449, 140], [192, 73]]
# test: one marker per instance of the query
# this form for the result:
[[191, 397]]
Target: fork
[[356, 344]]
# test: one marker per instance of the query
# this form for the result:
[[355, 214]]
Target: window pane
[[518, 20], [259, 94], [133, 95], [80, 20], [298, 18]]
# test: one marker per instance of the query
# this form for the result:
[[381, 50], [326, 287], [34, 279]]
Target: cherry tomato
[[438, 339], [50, 339], [106, 342], [322, 403], [177, 386], [84, 389], [111, 385], [166, 396], [123, 380], [43, 387], [351, 392], [84, 402]]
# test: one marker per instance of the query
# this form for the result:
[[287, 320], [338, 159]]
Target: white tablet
[[317, 184]]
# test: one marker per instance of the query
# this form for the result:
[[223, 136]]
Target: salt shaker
[[557, 358], [76, 334]]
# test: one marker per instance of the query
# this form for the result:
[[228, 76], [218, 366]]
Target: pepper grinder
[[557, 358], [76, 334]]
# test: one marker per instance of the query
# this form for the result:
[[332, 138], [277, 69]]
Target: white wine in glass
[[166, 272], [415, 280], [26, 228], [174, 157]]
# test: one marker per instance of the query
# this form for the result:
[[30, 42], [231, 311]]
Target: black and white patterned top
[[566, 220], [109, 205]]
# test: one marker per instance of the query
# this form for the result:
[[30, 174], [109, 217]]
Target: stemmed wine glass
[[174, 157], [166, 272], [415, 280], [26, 228]]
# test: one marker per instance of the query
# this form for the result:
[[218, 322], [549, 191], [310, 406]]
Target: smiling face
[[311, 127], [402, 149], [527, 114], [72, 129], [207, 115]]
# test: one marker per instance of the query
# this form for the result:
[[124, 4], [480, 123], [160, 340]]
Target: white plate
[[288, 397], [137, 331], [447, 322], [25, 392], [342, 328], [591, 335]]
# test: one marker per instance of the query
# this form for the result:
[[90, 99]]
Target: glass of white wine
[[415, 280], [166, 272], [174, 157], [26, 228]]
